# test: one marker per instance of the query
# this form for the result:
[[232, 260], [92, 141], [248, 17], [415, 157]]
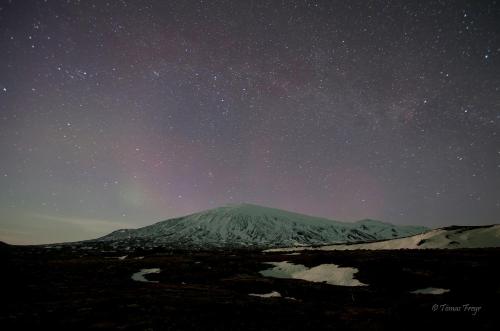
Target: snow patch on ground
[[272, 294], [431, 290], [139, 276], [328, 273], [117, 257]]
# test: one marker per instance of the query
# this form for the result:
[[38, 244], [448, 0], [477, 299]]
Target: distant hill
[[448, 237]]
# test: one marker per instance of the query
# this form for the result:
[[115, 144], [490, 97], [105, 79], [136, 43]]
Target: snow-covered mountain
[[449, 237], [247, 225]]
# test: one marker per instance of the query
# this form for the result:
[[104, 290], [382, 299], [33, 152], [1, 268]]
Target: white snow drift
[[451, 237], [139, 276], [328, 273], [272, 294], [431, 290]]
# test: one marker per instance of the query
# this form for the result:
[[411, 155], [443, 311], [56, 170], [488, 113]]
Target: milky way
[[122, 113]]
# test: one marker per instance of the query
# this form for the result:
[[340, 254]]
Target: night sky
[[122, 113]]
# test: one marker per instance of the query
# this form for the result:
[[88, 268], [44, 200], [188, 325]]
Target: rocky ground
[[73, 289]]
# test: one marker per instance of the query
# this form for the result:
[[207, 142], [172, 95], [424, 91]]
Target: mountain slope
[[249, 225], [449, 237]]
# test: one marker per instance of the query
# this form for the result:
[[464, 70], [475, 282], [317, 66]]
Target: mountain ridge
[[253, 226], [449, 237]]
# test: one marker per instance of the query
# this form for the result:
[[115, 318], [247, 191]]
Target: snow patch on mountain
[[444, 238]]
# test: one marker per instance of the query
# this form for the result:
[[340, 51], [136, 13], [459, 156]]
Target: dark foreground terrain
[[73, 289]]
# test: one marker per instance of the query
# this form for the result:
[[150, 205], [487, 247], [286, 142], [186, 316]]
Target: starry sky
[[122, 113]]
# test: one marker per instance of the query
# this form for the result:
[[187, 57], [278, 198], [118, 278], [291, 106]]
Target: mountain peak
[[245, 206], [250, 225]]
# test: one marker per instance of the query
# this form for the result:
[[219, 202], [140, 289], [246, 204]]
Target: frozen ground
[[68, 289]]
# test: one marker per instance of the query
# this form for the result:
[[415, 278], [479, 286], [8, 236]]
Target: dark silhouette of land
[[74, 289]]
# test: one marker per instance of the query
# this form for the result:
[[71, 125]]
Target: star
[[154, 112]]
